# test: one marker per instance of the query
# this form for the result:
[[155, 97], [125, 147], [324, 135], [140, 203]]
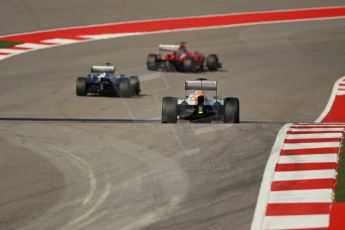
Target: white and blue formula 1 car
[[103, 81], [199, 106]]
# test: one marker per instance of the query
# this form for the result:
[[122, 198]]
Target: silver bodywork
[[192, 100]]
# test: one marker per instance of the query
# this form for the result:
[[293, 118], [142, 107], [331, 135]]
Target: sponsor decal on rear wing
[[200, 85], [102, 69], [168, 47]]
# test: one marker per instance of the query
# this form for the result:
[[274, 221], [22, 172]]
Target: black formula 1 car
[[199, 106], [103, 81], [178, 58]]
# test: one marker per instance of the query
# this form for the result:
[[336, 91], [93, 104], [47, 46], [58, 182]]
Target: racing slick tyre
[[125, 89], [189, 65], [231, 110], [169, 110], [151, 62], [135, 84], [212, 62], [81, 86]]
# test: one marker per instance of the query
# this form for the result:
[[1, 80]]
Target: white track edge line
[[265, 187], [263, 197]]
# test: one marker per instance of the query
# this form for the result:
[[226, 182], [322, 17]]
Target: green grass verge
[[340, 186], [7, 44]]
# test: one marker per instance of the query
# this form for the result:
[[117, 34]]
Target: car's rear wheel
[[135, 83], [169, 110], [212, 62], [231, 110], [151, 62], [81, 86], [189, 65], [125, 88]]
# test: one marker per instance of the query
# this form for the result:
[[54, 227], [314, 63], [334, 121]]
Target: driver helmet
[[182, 46], [199, 93], [194, 96]]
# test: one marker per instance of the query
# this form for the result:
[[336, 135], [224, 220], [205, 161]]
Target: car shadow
[[75, 120], [112, 96]]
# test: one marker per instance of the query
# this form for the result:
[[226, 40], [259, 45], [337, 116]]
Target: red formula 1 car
[[178, 58]]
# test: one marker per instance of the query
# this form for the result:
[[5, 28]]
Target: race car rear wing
[[201, 85], [163, 47], [102, 69]]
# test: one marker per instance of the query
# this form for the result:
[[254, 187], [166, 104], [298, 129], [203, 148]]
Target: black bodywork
[[199, 111], [109, 85], [103, 81]]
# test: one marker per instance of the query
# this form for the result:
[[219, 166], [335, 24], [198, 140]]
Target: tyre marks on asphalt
[[90, 172], [79, 210], [79, 222]]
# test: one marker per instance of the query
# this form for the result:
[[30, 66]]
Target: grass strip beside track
[[340, 186], [7, 44]]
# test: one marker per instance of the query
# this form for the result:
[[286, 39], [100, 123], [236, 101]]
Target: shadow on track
[[119, 121], [76, 120], [268, 122]]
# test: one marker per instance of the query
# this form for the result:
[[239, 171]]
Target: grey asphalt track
[[72, 162]]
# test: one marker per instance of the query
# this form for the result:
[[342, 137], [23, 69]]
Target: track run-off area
[[45, 39], [107, 163]]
